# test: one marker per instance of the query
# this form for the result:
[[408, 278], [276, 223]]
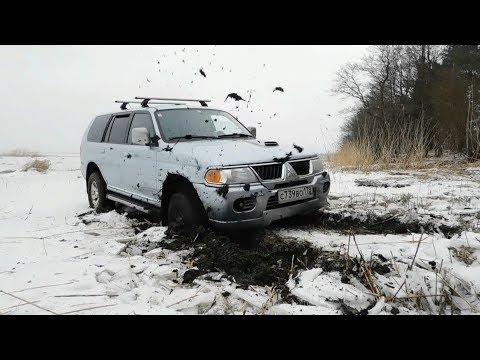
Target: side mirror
[[140, 136], [154, 140], [253, 130]]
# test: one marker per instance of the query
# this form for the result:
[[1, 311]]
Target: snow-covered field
[[399, 242]]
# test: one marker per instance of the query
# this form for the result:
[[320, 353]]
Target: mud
[[271, 263], [373, 183], [284, 159], [223, 191], [298, 148], [373, 224]]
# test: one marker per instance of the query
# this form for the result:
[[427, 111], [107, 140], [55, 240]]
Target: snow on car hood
[[237, 151]]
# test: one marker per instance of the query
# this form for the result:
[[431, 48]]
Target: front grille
[[292, 183], [269, 172], [301, 167], [272, 202]]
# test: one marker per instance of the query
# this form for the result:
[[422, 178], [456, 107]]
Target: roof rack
[[126, 102], [145, 100]]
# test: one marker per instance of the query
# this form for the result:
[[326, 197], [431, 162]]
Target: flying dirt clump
[[235, 97], [298, 148]]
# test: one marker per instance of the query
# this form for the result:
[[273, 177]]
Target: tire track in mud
[[370, 224], [273, 262]]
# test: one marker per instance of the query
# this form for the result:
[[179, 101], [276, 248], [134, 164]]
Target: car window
[[97, 129], [195, 122], [141, 120], [118, 132], [223, 125]]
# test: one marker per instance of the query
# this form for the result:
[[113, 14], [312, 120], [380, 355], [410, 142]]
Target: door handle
[[127, 155], [103, 151]]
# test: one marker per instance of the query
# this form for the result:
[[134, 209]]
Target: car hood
[[228, 152]]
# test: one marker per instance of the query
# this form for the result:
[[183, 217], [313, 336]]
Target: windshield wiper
[[193, 137], [235, 135]]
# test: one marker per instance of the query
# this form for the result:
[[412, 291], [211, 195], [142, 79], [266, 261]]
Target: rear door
[[138, 168], [115, 150], [93, 149]]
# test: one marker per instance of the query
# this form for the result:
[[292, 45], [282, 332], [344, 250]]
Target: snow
[[53, 263]]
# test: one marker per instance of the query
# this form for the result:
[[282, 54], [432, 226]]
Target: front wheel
[[183, 209]]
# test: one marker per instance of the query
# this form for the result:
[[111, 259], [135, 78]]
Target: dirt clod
[[191, 275]]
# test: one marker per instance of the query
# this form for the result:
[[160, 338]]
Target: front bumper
[[221, 213]]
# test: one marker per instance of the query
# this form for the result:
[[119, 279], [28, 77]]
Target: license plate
[[295, 194]]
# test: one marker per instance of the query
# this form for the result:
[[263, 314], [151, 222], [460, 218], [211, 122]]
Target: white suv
[[196, 165]]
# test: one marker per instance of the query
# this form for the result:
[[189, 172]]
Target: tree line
[[413, 100]]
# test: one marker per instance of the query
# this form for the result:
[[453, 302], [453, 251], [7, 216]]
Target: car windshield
[[191, 124]]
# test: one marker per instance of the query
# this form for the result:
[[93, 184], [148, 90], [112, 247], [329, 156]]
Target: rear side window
[[118, 132], [98, 128], [141, 120]]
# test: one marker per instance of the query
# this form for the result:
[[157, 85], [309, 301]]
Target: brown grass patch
[[464, 254], [38, 165]]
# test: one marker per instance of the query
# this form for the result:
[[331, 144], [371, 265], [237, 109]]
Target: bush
[[38, 165]]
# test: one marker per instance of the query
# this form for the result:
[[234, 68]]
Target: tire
[[185, 208], [97, 193]]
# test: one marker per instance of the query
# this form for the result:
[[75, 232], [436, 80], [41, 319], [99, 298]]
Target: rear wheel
[[97, 193]]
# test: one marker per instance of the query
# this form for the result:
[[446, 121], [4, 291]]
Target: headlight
[[317, 166], [230, 176]]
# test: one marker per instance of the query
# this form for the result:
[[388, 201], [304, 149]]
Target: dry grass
[[464, 254], [343, 161], [394, 150], [398, 145], [20, 153], [361, 157], [38, 165]]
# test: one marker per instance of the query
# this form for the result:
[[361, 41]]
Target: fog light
[[244, 204], [326, 186]]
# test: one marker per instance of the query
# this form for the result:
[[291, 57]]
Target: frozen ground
[[391, 242]]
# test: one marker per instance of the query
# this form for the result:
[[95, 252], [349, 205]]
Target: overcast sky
[[50, 93]]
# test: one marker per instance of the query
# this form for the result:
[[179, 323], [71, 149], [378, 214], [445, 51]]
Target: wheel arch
[[172, 184], [91, 168]]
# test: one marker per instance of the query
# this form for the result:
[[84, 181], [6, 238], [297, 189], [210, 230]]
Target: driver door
[[139, 168]]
